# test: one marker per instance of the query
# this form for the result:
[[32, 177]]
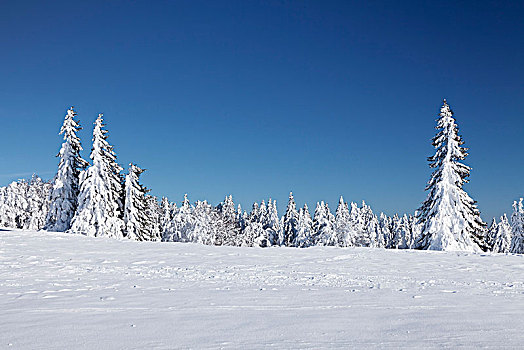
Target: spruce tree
[[204, 226], [166, 215], [136, 220], [343, 229], [491, 233], [502, 237], [290, 222], [38, 204], [64, 193], [450, 218], [180, 229], [517, 228], [271, 224], [154, 217], [323, 222], [99, 211], [304, 229], [228, 232], [387, 230]]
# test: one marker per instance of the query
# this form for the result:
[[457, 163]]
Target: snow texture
[[63, 291]]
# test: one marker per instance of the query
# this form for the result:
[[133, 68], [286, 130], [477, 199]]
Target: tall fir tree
[[450, 217], [63, 196], [517, 228], [99, 211], [166, 214], [136, 220], [343, 230], [491, 233], [290, 222]]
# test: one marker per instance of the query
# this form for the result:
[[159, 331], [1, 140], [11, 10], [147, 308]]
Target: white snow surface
[[63, 291]]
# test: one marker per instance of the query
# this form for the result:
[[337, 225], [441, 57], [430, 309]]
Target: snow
[[75, 292]]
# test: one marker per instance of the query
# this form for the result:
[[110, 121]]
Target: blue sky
[[255, 99]]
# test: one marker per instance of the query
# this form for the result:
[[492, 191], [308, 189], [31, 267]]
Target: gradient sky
[[257, 98]]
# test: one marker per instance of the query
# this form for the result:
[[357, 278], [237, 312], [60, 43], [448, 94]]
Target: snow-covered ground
[[72, 292]]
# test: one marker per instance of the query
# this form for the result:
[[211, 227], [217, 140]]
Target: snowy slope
[[73, 292]]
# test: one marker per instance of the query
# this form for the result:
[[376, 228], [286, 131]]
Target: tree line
[[96, 199]]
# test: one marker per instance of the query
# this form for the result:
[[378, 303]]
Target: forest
[[95, 198]]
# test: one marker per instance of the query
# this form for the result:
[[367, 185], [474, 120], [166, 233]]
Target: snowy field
[[74, 292]]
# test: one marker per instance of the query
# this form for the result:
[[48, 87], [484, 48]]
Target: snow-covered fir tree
[[450, 217], [228, 231], [387, 229], [271, 224], [16, 206], [366, 226], [402, 232], [24, 204], [99, 211], [38, 204], [253, 235], [154, 218], [517, 228], [304, 237], [490, 234], [64, 195], [323, 222], [166, 214], [204, 228], [361, 236], [290, 222], [136, 220], [502, 239], [181, 227], [343, 229]]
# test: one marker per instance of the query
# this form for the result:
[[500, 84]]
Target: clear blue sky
[[255, 99]]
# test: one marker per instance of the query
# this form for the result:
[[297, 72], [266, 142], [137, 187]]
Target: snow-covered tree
[[517, 228], [154, 218], [166, 214], [290, 222], [24, 204], [366, 226], [38, 204], [271, 224], [304, 237], [343, 229], [450, 217], [402, 232], [204, 228], [254, 235], [181, 227], [64, 194], [15, 208], [136, 221], [99, 211], [491, 234], [323, 222], [502, 238], [387, 230], [228, 231]]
